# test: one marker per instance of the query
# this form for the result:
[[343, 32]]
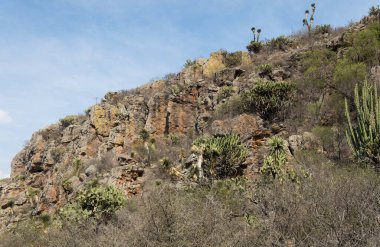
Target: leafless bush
[[335, 207]]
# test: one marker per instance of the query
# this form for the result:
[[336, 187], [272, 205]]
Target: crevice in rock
[[167, 123]]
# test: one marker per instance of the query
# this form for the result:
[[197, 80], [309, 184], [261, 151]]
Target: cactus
[[364, 137], [309, 22], [220, 157]]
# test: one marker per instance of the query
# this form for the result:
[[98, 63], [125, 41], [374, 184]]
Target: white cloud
[[4, 118], [3, 174]]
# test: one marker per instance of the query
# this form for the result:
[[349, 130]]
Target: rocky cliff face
[[106, 142]]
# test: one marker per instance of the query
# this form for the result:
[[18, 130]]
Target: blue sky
[[58, 56]]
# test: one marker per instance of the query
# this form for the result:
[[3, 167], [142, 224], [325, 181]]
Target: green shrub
[[365, 46], [95, 201], [265, 69], [173, 138], [68, 120], [327, 136], [279, 43], [254, 47], [233, 59], [232, 107], [322, 29], [224, 93], [347, 74], [144, 135], [223, 156], [165, 163], [189, 63], [268, 98], [364, 137], [374, 11], [318, 68]]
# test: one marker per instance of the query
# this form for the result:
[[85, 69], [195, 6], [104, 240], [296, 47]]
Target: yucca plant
[[255, 45], [309, 22], [364, 136]]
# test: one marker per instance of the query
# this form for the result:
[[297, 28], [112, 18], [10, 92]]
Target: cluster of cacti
[[220, 157], [256, 34], [309, 22], [364, 137]]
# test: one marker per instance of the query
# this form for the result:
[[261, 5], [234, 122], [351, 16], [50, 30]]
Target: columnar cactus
[[309, 22], [364, 137]]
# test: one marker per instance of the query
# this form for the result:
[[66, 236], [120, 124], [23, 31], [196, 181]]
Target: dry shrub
[[335, 207]]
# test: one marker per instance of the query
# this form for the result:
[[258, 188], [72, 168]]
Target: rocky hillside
[[121, 140]]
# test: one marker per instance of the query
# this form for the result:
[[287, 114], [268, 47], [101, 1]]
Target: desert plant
[[265, 69], [255, 45], [309, 22], [94, 201], [220, 157], [279, 43], [224, 93], [268, 98], [144, 135], [189, 63], [365, 45], [256, 34], [276, 163], [233, 59], [374, 11], [347, 74], [68, 120], [364, 137], [318, 67], [322, 29]]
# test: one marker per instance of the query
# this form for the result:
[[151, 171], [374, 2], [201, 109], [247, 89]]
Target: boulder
[[90, 171], [225, 77]]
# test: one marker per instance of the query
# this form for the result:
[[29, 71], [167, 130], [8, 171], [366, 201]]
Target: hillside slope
[[121, 140]]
